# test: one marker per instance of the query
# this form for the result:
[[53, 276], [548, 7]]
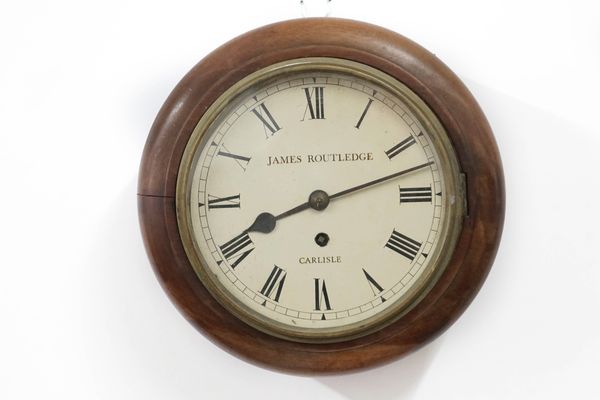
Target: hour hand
[[264, 223]]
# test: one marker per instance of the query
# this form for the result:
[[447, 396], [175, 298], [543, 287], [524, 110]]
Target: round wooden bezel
[[392, 54]]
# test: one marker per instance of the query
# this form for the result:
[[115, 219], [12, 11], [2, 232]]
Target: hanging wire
[[306, 10]]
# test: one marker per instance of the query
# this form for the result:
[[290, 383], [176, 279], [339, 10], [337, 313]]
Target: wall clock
[[321, 195]]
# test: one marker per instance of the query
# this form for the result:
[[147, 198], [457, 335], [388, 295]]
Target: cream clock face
[[317, 200]]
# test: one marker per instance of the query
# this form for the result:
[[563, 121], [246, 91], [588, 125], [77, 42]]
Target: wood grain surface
[[391, 53]]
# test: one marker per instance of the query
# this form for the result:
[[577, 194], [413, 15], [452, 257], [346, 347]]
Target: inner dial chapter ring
[[285, 132]]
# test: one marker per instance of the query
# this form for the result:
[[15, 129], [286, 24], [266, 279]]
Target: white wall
[[81, 313]]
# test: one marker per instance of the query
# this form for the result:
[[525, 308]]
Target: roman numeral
[[315, 103], [375, 287], [403, 245], [275, 279], [262, 113], [321, 296], [362, 116], [242, 161], [223, 202], [415, 195], [400, 147], [237, 249]]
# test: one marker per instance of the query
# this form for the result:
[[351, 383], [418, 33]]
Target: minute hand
[[265, 222], [379, 180]]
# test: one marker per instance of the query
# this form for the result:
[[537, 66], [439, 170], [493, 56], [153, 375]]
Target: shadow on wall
[[397, 380]]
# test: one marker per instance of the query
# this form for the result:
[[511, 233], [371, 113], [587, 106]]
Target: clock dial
[[319, 201]]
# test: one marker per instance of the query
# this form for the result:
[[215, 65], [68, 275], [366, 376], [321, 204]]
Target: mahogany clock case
[[392, 54]]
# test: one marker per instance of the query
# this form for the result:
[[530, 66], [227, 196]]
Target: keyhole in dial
[[322, 239]]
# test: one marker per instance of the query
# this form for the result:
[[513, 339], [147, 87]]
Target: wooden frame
[[391, 53]]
